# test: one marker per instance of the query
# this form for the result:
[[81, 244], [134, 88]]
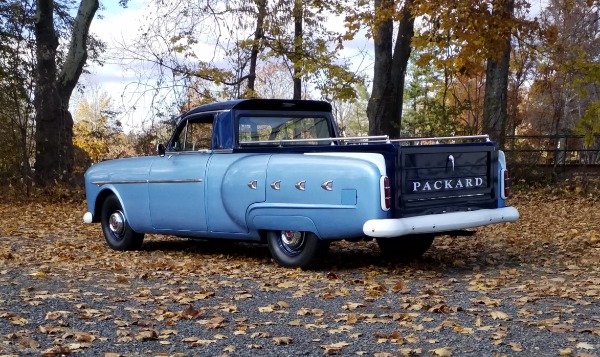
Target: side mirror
[[160, 150]]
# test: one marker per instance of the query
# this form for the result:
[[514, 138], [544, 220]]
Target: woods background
[[526, 73]]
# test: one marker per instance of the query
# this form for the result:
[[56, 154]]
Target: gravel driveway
[[526, 289]]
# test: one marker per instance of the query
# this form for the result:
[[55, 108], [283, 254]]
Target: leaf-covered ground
[[531, 288]]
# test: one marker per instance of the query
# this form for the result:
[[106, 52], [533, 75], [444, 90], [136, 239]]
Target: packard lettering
[[449, 184]]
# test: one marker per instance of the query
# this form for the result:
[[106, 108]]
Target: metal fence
[[534, 157]]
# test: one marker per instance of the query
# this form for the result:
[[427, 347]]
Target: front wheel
[[116, 229], [296, 249], [405, 248]]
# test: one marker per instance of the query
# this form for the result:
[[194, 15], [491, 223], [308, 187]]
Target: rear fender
[[329, 195], [282, 223]]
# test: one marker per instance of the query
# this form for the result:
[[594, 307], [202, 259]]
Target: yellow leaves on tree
[[94, 131]]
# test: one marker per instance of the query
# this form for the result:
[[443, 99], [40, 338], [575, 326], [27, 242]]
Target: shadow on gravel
[[210, 247], [446, 253], [341, 256]]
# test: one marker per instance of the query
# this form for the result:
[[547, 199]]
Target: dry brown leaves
[[63, 292]]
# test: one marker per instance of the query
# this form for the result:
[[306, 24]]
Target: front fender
[[135, 207], [127, 179]]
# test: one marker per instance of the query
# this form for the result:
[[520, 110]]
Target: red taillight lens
[[506, 186], [387, 193]]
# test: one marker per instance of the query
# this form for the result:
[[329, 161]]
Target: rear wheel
[[116, 229], [296, 249], [405, 248]]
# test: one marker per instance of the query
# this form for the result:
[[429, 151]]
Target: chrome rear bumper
[[438, 223]]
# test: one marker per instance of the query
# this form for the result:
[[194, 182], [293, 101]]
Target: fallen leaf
[[146, 335], [566, 352], [190, 313], [352, 305], [29, 343], [55, 315], [84, 337], [334, 348], [585, 346], [442, 352], [282, 340], [499, 315], [515, 346], [56, 351]]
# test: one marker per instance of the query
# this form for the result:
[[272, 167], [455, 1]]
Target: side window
[[198, 136], [195, 135]]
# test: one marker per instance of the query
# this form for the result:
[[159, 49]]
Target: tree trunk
[[377, 108], [402, 51], [496, 86], [261, 7], [496, 92], [54, 123], [384, 109], [297, 49]]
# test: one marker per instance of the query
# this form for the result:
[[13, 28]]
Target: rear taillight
[[386, 193], [505, 189]]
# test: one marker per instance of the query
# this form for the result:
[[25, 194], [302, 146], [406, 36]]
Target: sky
[[115, 24]]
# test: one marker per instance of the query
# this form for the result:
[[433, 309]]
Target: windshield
[[265, 129]]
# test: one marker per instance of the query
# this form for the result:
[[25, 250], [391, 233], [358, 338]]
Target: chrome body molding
[[485, 138], [301, 185], [357, 140], [276, 185], [124, 182], [438, 223], [252, 184]]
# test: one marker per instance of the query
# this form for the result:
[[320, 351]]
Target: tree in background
[[54, 86], [565, 80], [454, 36], [97, 132], [255, 50], [521, 74], [429, 110], [350, 115], [34, 88], [469, 33], [16, 87], [273, 81], [497, 71], [294, 34], [243, 37], [391, 58]]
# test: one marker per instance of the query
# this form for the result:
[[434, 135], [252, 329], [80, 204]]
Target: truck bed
[[428, 178]]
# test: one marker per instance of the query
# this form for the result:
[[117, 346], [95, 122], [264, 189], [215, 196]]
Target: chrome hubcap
[[293, 240], [116, 222]]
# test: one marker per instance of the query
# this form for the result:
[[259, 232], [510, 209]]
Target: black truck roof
[[264, 104]]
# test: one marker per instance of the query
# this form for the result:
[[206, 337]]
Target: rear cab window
[[288, 130]]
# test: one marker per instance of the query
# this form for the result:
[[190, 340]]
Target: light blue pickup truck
[[276, 172]]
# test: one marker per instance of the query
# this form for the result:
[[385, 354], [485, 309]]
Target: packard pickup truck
[[276, 172]]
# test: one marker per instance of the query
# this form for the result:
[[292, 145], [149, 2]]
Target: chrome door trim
[[127, 182]]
